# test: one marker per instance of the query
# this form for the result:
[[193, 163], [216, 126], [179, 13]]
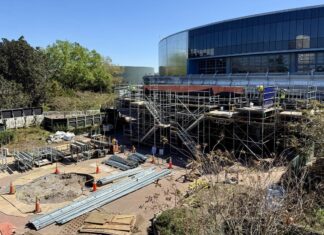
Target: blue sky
[[128, 31]]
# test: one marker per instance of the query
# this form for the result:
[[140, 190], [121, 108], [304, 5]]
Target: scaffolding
[[3, 159], [36, 157], [194, 120]]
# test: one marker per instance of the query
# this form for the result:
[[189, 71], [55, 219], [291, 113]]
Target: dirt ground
[[144, 203], [52, 188]]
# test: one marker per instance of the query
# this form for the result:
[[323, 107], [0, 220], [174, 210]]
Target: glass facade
[[212, 66], [261, 64], [173, 54], [287, 41], [299, 29]]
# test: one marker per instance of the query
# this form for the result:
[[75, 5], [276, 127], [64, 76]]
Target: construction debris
[[105, 223], [59, 136]]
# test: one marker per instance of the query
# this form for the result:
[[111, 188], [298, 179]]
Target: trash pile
[[60, 136]]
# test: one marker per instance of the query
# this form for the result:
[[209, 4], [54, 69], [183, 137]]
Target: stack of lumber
[[105, 223]]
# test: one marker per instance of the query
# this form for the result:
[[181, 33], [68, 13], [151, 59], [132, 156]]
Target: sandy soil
[[52, 189]]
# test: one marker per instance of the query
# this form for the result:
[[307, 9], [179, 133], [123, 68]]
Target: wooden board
[[98, 218], [103, 231], [123, 220], [120, 227]]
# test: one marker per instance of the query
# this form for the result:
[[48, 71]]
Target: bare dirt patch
[[52, 188]]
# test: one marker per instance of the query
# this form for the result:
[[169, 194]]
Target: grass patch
[[6, 137], [80, 101], [27, 138]]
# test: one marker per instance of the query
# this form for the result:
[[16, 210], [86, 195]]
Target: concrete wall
[[19, 118], [20, 122]]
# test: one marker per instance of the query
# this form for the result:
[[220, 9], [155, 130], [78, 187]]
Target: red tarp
[[195, 88]]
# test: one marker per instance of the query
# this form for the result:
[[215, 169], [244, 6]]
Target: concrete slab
[[218, 113], [291, 113]]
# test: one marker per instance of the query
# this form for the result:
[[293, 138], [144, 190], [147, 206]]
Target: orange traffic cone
[[57, 171], [94, 186], [12, 189], [170, 163], [97, 169], [37, 206]]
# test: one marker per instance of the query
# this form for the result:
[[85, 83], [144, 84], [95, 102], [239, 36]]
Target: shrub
[[6, 137], [178, 221]]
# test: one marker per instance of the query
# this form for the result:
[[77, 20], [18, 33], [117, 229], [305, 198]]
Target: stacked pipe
[[137, 157], [121, 163], [99, 198], [114, 177]]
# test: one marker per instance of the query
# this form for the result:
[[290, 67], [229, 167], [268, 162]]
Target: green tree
[[12, 95], [23, 70], [78, 68]]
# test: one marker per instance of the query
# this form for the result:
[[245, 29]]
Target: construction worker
[[133, 149], [282, 94], [260, 90]]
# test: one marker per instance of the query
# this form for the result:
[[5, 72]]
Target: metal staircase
[[186, 139], [153, 110], [149, 133], [195, 123], [175, 127]]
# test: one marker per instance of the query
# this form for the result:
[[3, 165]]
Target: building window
[[302, 42], [320, 62], [259, 34], [278, 63], [306, 62], [260, 64], [212, 66]]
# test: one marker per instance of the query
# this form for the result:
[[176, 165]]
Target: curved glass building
[[278, 42]]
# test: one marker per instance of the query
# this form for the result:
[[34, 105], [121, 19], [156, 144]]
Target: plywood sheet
[[98, 218], [119, 227], [103, 231]]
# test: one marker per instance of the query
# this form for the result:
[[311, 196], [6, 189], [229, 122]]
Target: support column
[[228, 65]]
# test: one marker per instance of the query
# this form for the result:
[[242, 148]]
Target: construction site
[[116, 180], [193, 120]]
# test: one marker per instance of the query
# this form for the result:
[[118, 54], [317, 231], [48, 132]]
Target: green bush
[[320, 216], [6, 137], [178, 221]]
